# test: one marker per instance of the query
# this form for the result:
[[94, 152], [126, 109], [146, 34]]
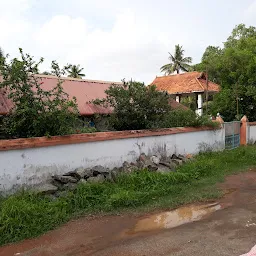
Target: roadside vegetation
[[25, 215], [233, 67]]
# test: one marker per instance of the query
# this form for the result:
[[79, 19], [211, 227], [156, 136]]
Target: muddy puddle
[[175, 218]]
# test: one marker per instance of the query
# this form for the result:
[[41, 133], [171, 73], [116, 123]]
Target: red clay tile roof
[[176, 105], [84, 91], [185, 83]]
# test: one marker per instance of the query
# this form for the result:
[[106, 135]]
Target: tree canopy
[[177, 62], [234, 68], [135, 105], [36, 112]]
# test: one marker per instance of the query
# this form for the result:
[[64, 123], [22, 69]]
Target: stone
[[170, 164], [97, 179], [57, 184], [78, 173], [155, 160], [142, 157], [114, 173], [177, 161], [181, 156], [99, 170], [88, 173], [152, 168], [109, 177], [82, 181], [128, 168], [70, 186], [174, 156], [65, 179], [46, 189]]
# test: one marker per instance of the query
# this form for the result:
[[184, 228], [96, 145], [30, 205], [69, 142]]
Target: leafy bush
[[186, 118], [36, 112], [135, 105]]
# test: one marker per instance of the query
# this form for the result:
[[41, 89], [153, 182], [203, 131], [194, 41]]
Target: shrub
[[186, 118], [36, 112], [135, 105]]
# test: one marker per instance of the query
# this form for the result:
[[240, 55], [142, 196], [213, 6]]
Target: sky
[[117, 39]]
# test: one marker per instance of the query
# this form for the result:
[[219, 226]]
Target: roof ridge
[[185, 73], [200, 84], [77, 79]]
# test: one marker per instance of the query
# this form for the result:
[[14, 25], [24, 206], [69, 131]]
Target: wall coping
[[15, 144], [252, 123]]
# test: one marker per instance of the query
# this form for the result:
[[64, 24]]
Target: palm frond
[[177, 61], [187, 60]]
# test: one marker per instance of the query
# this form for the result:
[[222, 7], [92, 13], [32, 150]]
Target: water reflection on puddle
[[175, 218]]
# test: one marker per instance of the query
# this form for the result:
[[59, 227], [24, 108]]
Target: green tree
[[36, 112], [177, 62], [75, 71], [135, 106], [234, 68], [1, 53]]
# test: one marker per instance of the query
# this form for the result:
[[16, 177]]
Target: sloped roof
[[84, 90], [185, 83], [176, 105]]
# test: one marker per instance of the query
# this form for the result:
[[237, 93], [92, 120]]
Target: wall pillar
[[178, 98], [243, 131], [199, 110]]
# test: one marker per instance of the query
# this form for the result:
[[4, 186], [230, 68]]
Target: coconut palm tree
[[75, 71], [177, 62]]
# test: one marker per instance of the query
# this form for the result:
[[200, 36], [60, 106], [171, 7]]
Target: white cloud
[[128, 49], [115, 39], [250, 12]]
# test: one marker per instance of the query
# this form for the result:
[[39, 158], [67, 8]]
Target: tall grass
[[26, 215]]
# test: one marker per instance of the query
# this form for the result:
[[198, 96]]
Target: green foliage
[[135, 106], [85, 130], [189, 102], [234, 68], [75, 71], [186, 118], [1, 53], [26, 215], [177, 62], [36, 112]]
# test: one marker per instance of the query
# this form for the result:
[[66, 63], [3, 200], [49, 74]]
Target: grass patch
[[26, 215]]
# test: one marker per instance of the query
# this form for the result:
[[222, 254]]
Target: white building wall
[[27, 167]]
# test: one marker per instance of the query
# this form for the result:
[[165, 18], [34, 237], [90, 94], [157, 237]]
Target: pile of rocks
[[99, 174]]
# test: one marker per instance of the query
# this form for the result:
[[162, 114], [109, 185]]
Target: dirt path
[[226, 228]]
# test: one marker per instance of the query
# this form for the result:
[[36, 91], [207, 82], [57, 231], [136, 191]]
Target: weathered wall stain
[[31, 166]]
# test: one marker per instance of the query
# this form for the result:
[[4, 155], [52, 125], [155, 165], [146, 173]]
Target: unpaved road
[[230, 230]]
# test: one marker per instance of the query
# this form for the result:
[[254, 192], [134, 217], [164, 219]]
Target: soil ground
[[230, 230]]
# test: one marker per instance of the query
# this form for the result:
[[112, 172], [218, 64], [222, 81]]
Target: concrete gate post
[[243, 131]]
